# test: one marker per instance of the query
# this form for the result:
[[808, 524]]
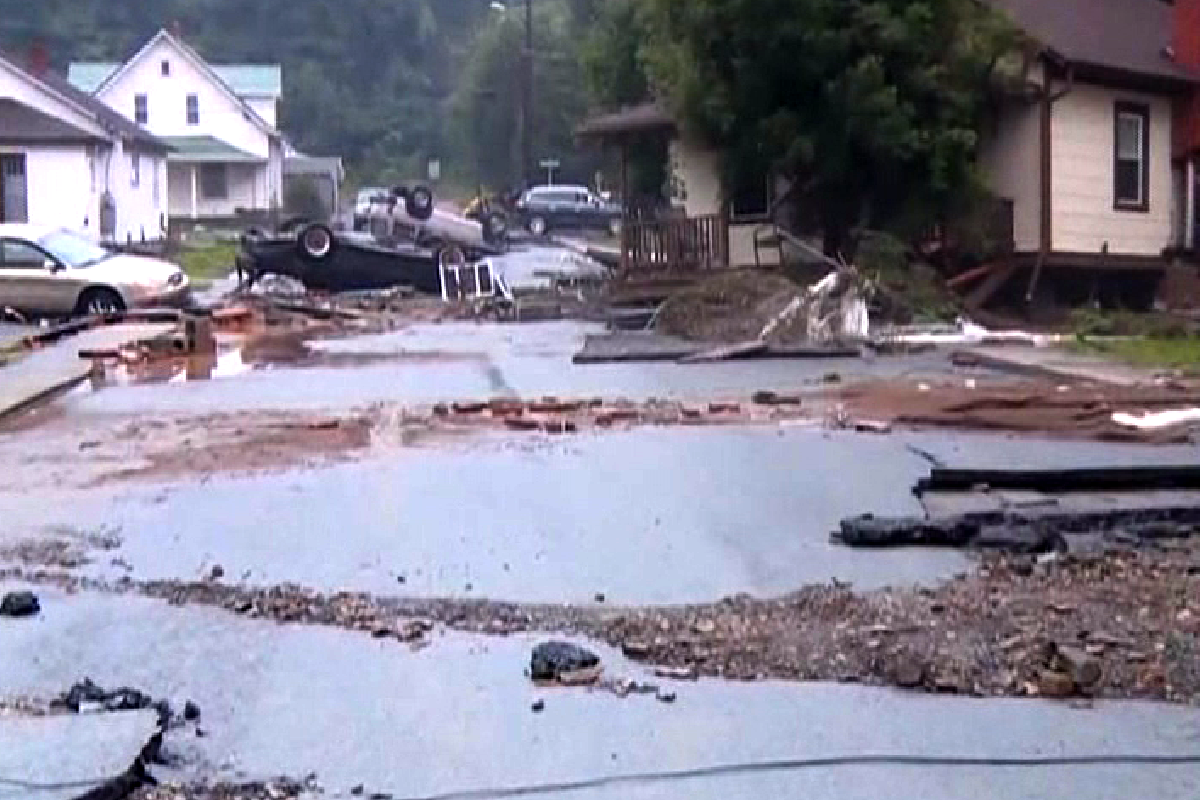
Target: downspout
[[1046, 240]]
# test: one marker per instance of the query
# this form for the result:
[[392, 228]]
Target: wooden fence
[[679, 244]]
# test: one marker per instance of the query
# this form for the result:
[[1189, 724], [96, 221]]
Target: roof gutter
[[1048, 97]]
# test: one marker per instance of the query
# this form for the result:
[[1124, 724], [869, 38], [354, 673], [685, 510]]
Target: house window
[[193, 110], [750, 198], [1131, 157], [214, 182], [165, 69], [135, 168], [141, 109]]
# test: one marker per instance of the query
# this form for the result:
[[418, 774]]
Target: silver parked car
[[56, 272]]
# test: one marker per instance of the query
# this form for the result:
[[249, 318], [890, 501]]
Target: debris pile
[[278, 789], [983, 633]]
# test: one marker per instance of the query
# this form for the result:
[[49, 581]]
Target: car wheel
[[418, 203], [99, 301], [316, 242], [538, 226], [495, 228]]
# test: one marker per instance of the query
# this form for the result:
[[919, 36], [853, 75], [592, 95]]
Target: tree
[[870, 107]]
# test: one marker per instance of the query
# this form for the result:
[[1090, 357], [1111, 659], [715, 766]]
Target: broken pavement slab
[[62, 757], [1054, 363]]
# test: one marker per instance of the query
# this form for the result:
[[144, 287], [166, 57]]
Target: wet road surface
[[457, 716]]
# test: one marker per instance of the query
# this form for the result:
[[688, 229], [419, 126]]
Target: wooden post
[[195, 190], [1190, 221]]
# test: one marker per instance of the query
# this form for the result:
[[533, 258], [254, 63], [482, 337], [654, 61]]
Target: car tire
[[418, 203], [538, 226], [495, 228], [316, 243], [99, 301]]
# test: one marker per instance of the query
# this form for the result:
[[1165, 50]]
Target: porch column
[[195, 191], [1190, 222]]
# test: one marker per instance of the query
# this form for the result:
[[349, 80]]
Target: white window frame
[[1140, 114]]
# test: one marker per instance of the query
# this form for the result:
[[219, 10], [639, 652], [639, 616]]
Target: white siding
[[696, 178], [220, 115], [246, 184], [265, 107], [60, 187], [1011, 160], [1084, 219], [141, 208]]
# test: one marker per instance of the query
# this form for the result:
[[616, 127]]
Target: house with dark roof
[[227, 156], [68, 160], [1096, 155]]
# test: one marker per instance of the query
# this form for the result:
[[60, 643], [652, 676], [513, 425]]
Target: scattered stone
[[765, 398], [216, 573], [522, 424], [599, 597], [831, 377], [19, 604], [636, 650], [357, 790], [469, 408], [551, 660], [665, 697], [724, 408], [538, 706], [676, 673], [909, 673], [1084, 669], [588, 676], [1052, 683], [191, 711]]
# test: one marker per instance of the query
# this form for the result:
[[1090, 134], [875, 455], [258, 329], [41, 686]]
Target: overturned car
[[332, 261]]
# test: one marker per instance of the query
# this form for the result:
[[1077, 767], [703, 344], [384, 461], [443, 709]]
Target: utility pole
[[527, 97]]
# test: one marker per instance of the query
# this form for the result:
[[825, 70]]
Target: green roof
[[207, 149], [246, 80]]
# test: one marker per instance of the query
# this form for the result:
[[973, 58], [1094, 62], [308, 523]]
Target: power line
[[793, 765]]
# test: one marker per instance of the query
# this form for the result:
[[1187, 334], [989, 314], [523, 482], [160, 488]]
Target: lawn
[[1176, 353], [208, 261]]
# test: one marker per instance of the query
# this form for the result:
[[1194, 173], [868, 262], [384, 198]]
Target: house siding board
[[141, 211], [59, 188], [265, 107], [696, 178], [1010, 160], [1083, 218]]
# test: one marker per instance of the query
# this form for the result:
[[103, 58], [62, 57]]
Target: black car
[[546, 208], [325, 260]]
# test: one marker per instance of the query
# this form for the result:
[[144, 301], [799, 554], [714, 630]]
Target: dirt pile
[[729, 307]]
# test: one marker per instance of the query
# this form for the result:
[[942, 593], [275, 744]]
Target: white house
[[227, 156], [67, 159]]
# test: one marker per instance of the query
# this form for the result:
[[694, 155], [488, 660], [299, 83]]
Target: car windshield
[[72, 249]]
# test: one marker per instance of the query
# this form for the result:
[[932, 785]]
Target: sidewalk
[[1057, 364], [45, 372]]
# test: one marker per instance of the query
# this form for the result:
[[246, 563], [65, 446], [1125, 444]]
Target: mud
[[986, 633], [1071, 411]]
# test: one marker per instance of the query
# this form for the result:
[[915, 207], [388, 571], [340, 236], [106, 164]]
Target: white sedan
[[56, 272]]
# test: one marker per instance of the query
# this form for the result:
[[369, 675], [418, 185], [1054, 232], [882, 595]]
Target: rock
[[676, 673], [19, 604], [705, 626], [587, 676], [636, 650], [1052, 683], [191, 711], [469, 408], [550, 660], [909, 673], [1083, 667], [216, 573], [664, 696], [600, 597], [831, 377], [357, 790], [538, 706], [522, 424], [724, 408]]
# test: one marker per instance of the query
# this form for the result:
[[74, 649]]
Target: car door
[[28, 284]]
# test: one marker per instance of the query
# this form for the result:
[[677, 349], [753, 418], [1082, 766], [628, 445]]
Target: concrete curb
[[1025, 368]]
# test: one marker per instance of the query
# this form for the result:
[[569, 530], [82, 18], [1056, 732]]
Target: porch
[[208, 179]]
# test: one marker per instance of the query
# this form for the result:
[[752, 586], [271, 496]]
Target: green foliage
[[909, 290], [485, 109], [612, 55], [870, 106], [1086, 322], [208, 260]]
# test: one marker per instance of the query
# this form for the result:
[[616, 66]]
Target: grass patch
[[208, 261], [1177, 353]]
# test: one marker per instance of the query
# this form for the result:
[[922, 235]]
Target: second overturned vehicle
[[414, 251]]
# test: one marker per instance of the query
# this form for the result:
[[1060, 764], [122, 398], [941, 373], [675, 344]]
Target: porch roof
[[207, 150]]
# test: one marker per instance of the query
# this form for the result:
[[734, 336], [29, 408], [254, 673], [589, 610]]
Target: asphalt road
[[663, 516]]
